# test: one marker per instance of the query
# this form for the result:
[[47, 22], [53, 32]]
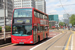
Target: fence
[[8, 34]]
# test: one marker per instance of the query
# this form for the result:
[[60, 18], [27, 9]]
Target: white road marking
[[45, 42]]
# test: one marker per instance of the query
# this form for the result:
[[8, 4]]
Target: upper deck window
[[45, 17], [25, 12]]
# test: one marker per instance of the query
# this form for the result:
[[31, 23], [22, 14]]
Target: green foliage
[[8, 28], [61, 23], [72, 19], [49, 25], [0, 28]]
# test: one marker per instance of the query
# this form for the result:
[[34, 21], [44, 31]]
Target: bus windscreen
[[22, 30], [24, 12]]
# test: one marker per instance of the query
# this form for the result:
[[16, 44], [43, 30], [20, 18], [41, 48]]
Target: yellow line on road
[[62, 31], [74, 32], [6, 46], [67, 46]]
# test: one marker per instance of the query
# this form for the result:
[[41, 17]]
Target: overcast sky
[[52, 7]]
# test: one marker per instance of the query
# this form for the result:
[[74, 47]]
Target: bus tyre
[[38, 38]]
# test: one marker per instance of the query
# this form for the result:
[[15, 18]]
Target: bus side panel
[[42, 34]]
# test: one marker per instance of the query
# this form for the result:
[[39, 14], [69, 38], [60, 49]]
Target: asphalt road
[[57, 43]]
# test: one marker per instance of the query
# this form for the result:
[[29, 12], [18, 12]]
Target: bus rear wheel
[[46, 36], [38, 38]]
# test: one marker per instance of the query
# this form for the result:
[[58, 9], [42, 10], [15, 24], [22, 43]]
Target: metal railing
[[8, 34]]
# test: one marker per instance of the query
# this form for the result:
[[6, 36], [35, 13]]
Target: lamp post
[[4, 2]]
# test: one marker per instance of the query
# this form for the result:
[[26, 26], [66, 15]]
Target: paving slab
[[73, 41]]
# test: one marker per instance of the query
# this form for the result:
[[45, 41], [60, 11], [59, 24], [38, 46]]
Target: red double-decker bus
[[29, 26]]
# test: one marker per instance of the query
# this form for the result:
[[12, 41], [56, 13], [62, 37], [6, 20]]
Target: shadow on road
[[33, 44]]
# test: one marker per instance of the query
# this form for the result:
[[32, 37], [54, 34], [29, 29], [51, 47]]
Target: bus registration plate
[[21, 42]]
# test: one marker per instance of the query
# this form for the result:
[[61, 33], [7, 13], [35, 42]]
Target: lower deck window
[[22, 30]]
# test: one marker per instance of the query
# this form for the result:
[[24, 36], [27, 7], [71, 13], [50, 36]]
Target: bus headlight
[[31, 41]]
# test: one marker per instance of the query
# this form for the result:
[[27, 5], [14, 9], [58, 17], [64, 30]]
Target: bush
[[8, 28], [0, 29]]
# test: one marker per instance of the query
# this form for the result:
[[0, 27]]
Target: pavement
[[57, 43], [7, 40], [73, 41], [8, 35]]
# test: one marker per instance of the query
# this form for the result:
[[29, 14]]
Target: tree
[[0, 29], [72, 19], [61, 23], [49, 25]]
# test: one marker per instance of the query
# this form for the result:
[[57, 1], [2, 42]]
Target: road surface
[[59, 42]]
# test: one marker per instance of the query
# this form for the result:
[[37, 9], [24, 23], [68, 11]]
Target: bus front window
[[22, 30], [23, 12]]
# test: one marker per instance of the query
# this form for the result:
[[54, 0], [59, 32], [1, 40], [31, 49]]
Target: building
[[53, 20], [66, 18], [9, 10], [40, 5], [24, 3], [66, 21], [52, 23]]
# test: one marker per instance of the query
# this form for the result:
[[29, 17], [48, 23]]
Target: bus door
[[35, 33], [43, 32]]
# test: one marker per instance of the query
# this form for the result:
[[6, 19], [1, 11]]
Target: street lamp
[[4, 2]]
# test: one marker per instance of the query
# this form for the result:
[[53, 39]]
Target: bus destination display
[[26, 21]]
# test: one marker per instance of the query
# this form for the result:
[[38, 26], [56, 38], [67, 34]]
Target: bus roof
[[32, 8]]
